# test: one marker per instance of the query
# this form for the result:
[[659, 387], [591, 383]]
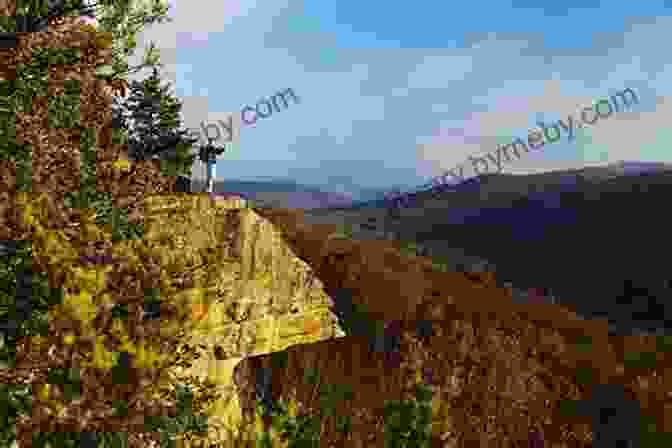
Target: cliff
[[259, 296]]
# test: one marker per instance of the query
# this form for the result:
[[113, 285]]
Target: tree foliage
[[122, 19], [29, 305], [151, 118]]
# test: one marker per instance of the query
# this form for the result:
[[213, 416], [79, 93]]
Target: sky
[[393, 94]]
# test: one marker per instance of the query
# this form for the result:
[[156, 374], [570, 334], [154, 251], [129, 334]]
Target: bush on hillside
[[408, 423], [62, 344]]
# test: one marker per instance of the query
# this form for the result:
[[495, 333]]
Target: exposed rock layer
[[259, 297]]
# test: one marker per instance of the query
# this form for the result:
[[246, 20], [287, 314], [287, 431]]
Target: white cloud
[[425, 109], [640, 138]]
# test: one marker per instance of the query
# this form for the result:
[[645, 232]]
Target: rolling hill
[[596, 236], [282, 194]]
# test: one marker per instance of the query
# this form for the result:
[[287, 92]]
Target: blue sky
[[394, 94]]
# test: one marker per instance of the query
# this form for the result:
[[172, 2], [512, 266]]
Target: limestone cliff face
[[259, 296]]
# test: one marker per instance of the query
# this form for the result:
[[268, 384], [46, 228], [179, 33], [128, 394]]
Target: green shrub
[[17, 399], [344, 231], [101, 201], [408, 423], [184, 421], [410, 249], [20, 285]]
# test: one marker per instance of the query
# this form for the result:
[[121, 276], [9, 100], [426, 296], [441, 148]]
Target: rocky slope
[[500, 371], [593, 236], [270, 283]]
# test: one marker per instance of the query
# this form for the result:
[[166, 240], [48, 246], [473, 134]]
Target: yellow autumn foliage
[[43, 392], [88, 28], [122, 164], [81, 306], [104, 39], [145, 357], [69, 339], [38, 342], [53, 406], [90, 282], [102, 358]]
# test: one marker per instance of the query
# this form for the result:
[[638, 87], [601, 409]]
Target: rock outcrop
[[259, 296]]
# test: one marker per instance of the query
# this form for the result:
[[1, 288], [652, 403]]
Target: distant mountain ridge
[[286, 193], [279, 193], [597, 237], [563, 177]]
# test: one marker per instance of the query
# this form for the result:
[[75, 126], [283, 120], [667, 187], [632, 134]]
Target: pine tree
[[151, 118], [122, 19]]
